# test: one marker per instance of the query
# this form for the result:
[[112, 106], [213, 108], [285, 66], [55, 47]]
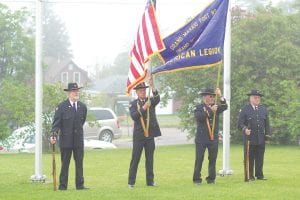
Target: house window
[[76, 77], [64, 77]]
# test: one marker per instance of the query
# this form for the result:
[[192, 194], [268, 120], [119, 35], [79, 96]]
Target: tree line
[[17, 64], [265, 54]]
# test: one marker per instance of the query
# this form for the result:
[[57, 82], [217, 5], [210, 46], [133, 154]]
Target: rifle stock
[[53, 166], [248, 160], [247, 164]]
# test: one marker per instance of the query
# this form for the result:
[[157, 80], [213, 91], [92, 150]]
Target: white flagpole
[[38, 95], [227, 94]]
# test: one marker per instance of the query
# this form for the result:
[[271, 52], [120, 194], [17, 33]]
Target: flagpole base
[[225, 172], [38, 178]]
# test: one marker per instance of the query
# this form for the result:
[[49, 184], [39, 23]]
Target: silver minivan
[[107, 126]]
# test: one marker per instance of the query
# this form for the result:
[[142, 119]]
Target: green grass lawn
[[106, 175]]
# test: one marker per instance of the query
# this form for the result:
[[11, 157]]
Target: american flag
[[148, 42]]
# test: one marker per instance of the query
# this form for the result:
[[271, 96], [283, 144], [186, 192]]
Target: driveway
[[170, 136]]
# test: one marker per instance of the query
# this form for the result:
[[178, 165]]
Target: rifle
[[247, 170], [247, 164], [53, 165]]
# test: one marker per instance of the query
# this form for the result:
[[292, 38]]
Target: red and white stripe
[[147, 43]]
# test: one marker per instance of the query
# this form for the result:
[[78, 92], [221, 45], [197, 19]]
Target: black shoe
[[62, 188], [151, 184], [197, 182], [250, 179], [82, 188], [210, 181], [261, 179]]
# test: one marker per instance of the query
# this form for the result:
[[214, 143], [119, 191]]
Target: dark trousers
[[256, 159], [212, 148], [149, 146], [66, 154]]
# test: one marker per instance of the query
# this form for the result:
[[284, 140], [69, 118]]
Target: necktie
[[74, 106]]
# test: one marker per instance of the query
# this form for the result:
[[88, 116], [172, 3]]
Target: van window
[[102, 114]]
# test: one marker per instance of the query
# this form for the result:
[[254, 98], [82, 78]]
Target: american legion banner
[[198, 44]]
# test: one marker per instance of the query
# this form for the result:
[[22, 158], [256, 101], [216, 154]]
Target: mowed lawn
[[106, 174]]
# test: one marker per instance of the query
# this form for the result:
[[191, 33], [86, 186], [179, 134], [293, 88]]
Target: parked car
[[16, 140], [107, 127], [22, 140], [98, 144]]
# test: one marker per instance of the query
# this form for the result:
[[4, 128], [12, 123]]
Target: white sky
[[101, 29], [107, 29]]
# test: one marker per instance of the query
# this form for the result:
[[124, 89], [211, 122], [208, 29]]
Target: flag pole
[[216, 99], [226, 115], [38, 177], [149, 70]]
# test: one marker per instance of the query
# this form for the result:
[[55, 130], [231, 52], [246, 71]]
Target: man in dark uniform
[[143, 137], [207, 136], [67, 125], [254, 122]]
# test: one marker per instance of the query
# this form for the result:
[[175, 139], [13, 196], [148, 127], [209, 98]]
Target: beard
[[76, 98]]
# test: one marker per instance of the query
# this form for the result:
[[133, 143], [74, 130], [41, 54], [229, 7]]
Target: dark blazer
[[136, 111], [257, 121], [69, 123], [202, 134]]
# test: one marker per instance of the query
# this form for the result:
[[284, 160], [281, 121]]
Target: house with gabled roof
[[64, 71]]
